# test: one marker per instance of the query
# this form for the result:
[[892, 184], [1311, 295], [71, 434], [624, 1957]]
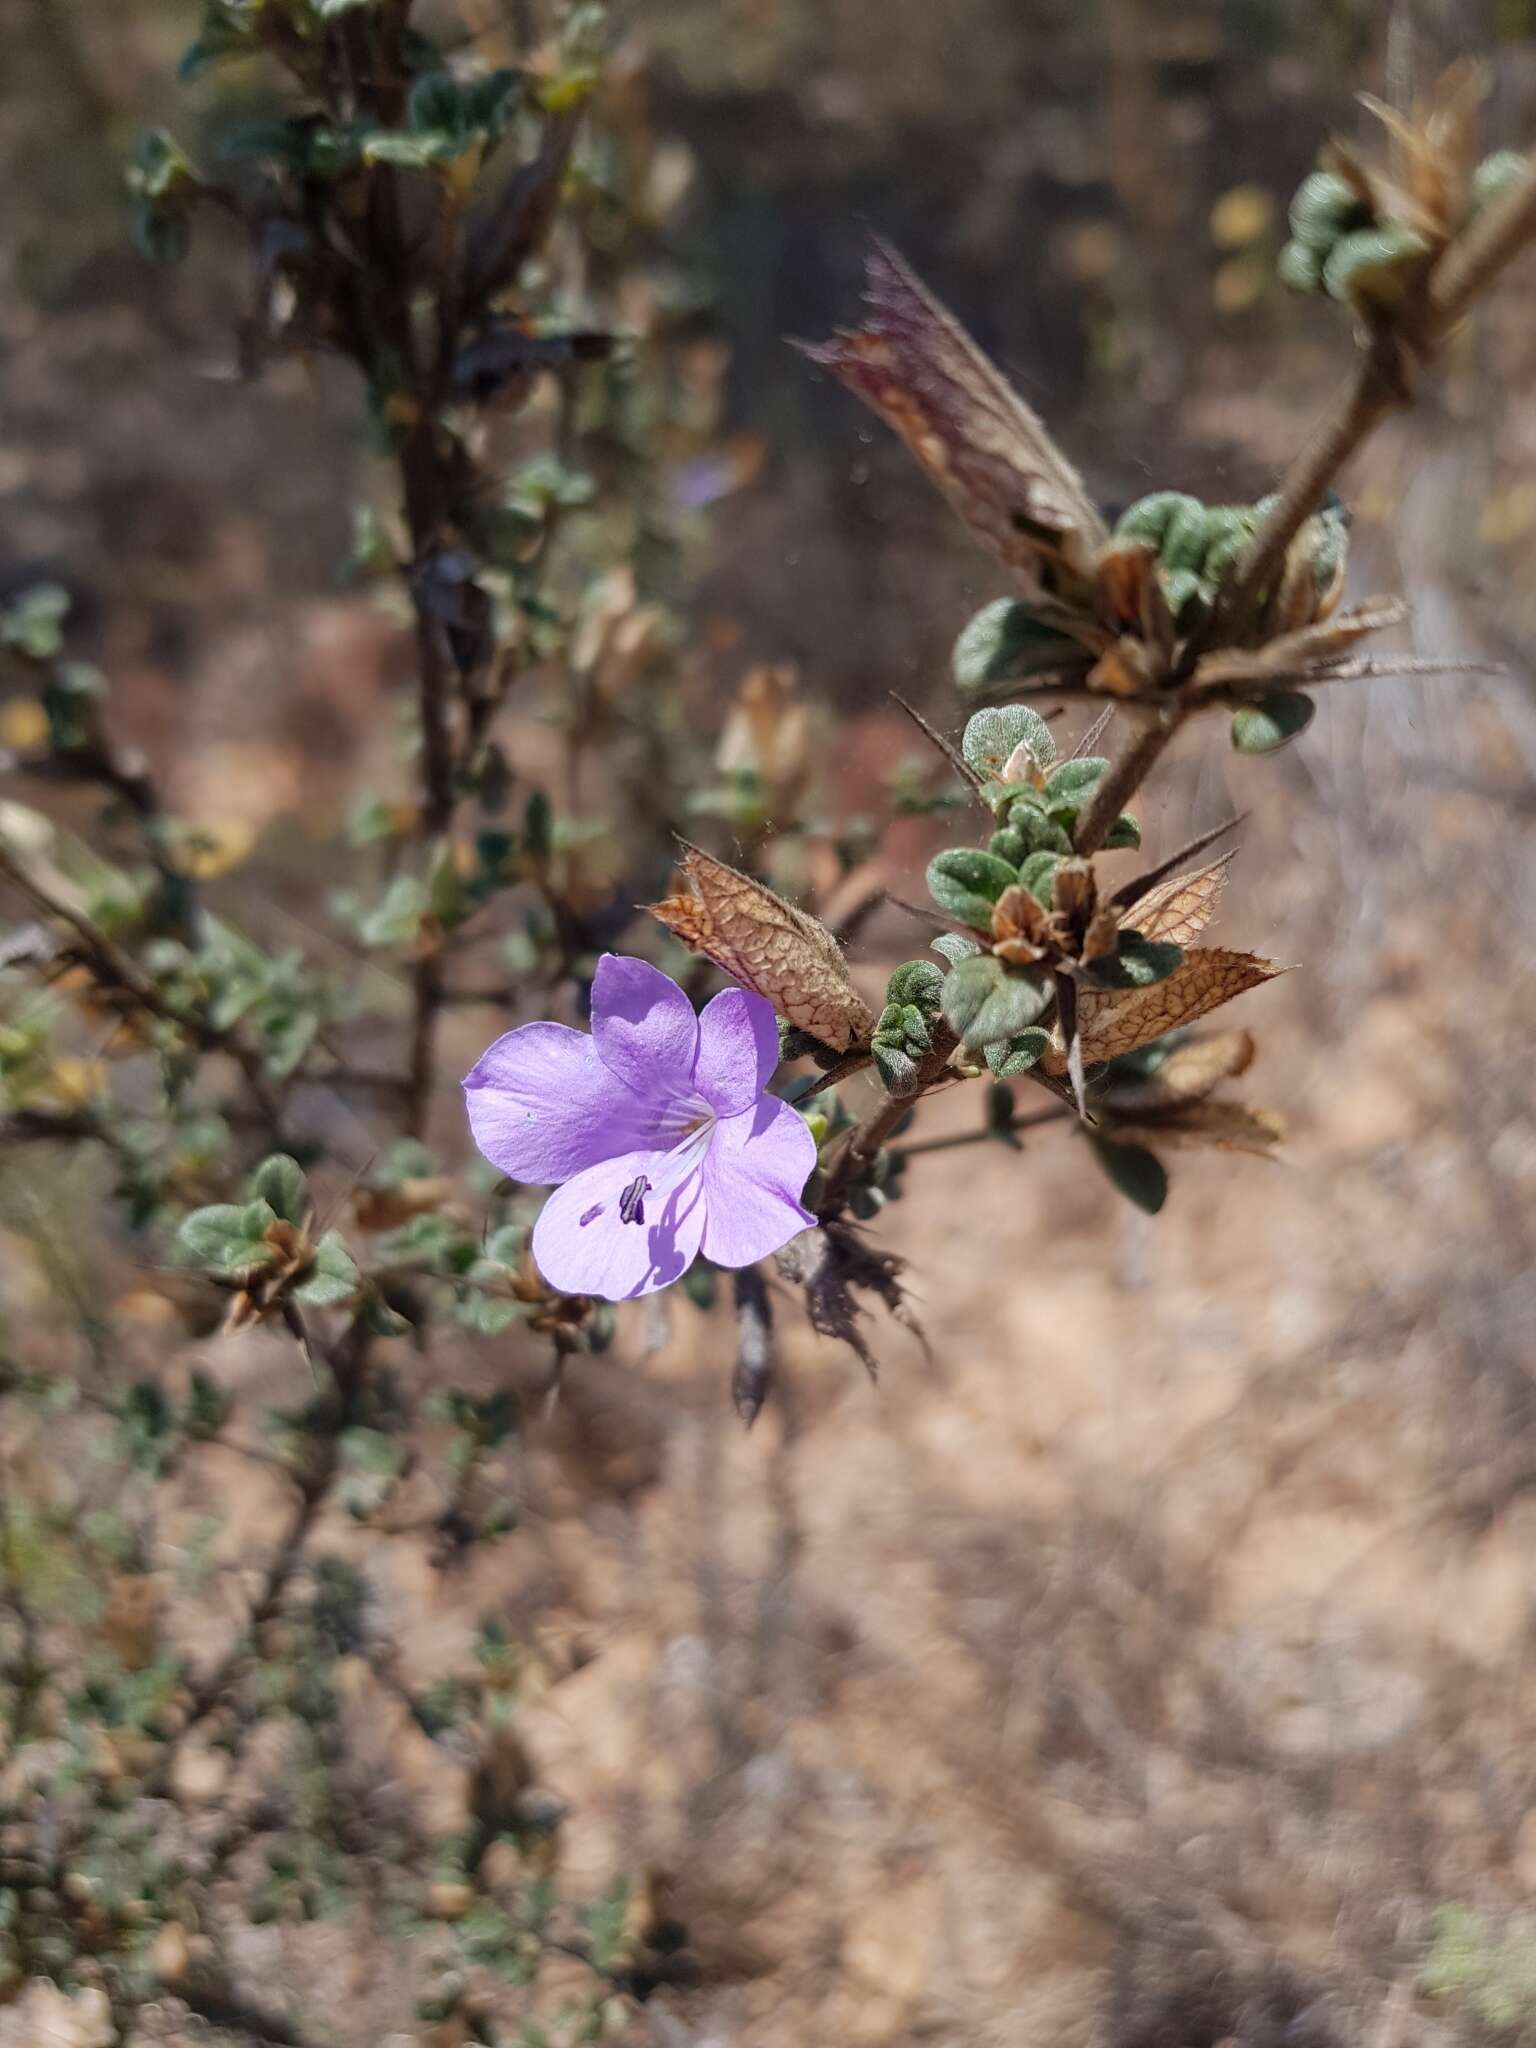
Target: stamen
[[590, 1215], [632, 1201]]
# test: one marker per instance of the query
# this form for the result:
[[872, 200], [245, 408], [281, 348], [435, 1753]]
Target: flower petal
[[582, 1245], [754, 1174], [542, 1105], [643, 1027], [738, 1050]]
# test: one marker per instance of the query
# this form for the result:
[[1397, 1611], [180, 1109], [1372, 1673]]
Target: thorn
[[1133, 891], [947, 748]]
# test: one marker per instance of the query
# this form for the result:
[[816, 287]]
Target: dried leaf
[[1120, 1020], [979, 442], [1179, 909], [1128, 669], [1188, 1074], [1218, 1126], [1313, 646], [833, 1265], [770, 947]]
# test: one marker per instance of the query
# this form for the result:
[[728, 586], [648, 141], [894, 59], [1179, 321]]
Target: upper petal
[[542, 1105], [754, 1174], [643, 1026], [582, 1245], [738, 1050]]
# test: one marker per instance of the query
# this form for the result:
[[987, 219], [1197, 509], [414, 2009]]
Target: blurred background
[[1151, 1665]]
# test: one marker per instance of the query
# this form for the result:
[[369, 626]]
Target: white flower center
[[690, 1124]]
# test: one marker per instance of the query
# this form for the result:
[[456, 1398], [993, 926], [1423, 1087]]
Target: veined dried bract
[[980, 443], [770, 947]]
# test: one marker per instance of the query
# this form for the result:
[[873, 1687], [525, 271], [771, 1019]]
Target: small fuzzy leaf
[[1263, 727], [955, 947], [279, 1181], [896, 1068], [1038, 875], [1124, 832], [333, 1278], [1008, 1057], [916, 981], [992, 737], [228, 1237], [1137, 962], [965, 882], [1075, 781], [1006, 642], [985, 1001], [1136, 1172]]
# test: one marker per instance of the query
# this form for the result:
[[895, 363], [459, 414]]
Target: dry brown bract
[[979, 442], [1115, 1021], [770, 947]]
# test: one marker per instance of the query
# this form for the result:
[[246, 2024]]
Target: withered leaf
[[979, 442], [1222, 1126], [834, 1265], [1117, 1021], [1188, 1074], [1295, 653], [1177, 911], [768, 946]]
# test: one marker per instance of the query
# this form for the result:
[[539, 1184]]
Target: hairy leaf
[[984, 1001]]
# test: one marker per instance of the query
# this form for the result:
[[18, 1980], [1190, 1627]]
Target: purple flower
[[656, 1129]]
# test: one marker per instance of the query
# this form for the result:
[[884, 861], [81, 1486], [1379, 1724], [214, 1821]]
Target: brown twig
[[1124, 779], [953, 1140], [118, 975]]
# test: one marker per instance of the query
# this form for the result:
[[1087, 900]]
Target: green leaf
[[382, 1320], [991, 737], [1299, 268], [1007, 1057], [1124, 832], [1039, 872], [1324, 208], [897, 1070], [32, 624], [409, 152], [333, 1278], [916, 981], [436, 105], [984, 1000], [1006, 642], [538, 825], [1272, 722], [228, 1238], [1137, 962], [396, 918], [161, 234], [1075, 781], [955, 947], [1136, 1172], [279, 1182], [965, 882]]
